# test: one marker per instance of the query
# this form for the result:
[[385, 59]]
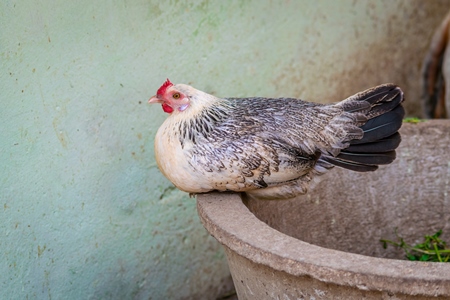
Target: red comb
[[162, 89]]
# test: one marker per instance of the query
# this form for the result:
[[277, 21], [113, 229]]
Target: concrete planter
[[325, 245]]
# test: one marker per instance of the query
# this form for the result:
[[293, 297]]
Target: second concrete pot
[[325, 245]]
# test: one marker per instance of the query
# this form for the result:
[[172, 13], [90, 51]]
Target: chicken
[[271, 148]]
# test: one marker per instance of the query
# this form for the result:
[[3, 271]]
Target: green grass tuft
[[433, 249], [413, 120]]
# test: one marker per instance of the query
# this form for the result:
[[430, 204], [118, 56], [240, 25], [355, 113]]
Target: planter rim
[[226, 218]]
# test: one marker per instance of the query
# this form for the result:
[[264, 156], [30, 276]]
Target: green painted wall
[[85, 213]]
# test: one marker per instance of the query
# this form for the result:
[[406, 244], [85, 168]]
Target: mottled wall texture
[[85, 213]]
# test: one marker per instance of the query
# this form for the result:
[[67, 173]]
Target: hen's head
[[179, 97]]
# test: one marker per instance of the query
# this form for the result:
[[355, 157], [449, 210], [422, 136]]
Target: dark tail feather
[[382, 126], [348, 164], [381, 137], [375, 101], [389, 143]]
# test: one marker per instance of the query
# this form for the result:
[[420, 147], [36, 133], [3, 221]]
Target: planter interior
[[325, 244]]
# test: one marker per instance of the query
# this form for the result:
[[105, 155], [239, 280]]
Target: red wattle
[[166, 108]]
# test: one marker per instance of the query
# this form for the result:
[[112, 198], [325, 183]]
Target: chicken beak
[[155, 99]]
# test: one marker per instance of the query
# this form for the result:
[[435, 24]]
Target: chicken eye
[[176, 96]]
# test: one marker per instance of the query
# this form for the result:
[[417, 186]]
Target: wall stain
[[41, 250], [61, 135]]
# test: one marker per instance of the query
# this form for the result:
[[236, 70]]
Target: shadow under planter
[[326, 244]]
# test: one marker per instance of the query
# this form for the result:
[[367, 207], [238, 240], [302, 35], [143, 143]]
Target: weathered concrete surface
[[295, 248]]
